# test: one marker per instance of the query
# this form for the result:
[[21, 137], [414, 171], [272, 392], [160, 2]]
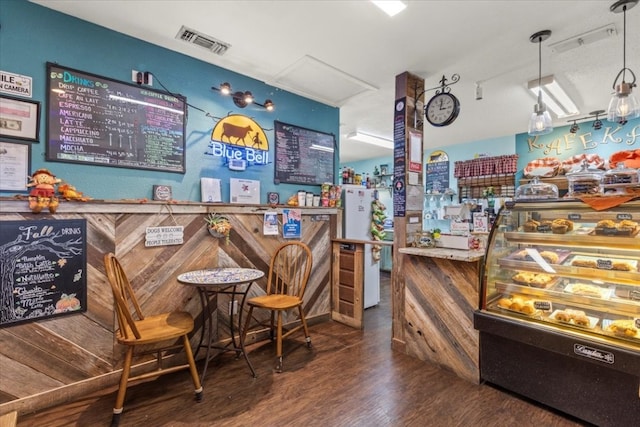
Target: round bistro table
[[223, 280]]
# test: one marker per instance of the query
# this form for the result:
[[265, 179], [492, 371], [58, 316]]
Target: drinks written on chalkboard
[[97, 120]]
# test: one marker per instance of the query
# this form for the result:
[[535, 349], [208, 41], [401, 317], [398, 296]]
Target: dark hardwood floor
[[350, 378]]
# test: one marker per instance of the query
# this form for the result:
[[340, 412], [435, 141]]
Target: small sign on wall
[[164, 236]]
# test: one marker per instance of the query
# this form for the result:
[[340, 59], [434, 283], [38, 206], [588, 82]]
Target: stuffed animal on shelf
[[43, 194]]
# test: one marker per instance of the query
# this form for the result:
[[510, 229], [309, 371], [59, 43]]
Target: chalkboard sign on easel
[[303, 156], [96, 120], [44, 269]]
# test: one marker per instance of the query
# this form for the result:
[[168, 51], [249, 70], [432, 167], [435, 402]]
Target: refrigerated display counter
[[559, 312]]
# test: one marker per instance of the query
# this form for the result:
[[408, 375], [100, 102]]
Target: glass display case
[[560, 298]]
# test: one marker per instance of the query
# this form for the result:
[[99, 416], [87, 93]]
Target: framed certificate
[[245, 191], [15, 163], [19, 118]]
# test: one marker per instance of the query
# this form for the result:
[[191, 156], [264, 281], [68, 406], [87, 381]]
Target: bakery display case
[[559, 315]]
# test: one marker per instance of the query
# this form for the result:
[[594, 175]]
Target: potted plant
[[218, 226]]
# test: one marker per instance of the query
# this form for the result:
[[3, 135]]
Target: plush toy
[[43, 194]]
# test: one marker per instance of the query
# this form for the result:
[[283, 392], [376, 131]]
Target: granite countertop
[[445, 253]]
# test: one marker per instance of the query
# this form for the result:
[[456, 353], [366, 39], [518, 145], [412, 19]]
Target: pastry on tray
[[517, 304], [533, 279], [587, 290], [561, 224], [589, 263], [577, 317], [625, 328], [550, 257], [606, 223], [531, 226], [622, 266]]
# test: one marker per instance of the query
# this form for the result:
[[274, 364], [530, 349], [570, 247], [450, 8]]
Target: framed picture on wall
[[15, 164], [19, 118]]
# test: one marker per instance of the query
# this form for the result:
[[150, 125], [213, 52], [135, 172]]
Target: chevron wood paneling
[[440, 297], [59, 353]]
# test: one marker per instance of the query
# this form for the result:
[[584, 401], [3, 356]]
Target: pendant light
[[540, 123], [623, 105]]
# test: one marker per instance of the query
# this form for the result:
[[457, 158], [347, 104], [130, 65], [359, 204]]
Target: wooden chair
[[288, 275], [135, 330]]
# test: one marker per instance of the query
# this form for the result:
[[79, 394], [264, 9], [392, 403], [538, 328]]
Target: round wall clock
[[442, 109]]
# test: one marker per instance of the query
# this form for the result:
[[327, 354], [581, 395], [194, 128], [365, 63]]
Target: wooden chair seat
[[289, 272], [275, 302], [167, 330], [165, 326]]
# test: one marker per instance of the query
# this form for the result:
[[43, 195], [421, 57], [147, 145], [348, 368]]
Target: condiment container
[[536, 189], [585, 182]]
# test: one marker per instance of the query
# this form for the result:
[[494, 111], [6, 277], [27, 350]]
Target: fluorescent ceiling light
[[371, 139], [555, 98], [390, 7]]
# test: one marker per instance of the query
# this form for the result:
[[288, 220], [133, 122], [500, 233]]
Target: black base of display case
[[589, 380]]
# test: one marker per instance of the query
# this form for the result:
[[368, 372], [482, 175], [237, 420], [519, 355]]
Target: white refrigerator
[[357, 225]]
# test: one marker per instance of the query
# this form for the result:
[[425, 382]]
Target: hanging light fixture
[[623, 105], [574, 127], [597, 123], [540, 122]]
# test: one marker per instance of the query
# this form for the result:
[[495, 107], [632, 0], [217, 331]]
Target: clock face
[[442, 109]]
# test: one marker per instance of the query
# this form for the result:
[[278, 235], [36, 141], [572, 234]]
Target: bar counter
[[441, 292]]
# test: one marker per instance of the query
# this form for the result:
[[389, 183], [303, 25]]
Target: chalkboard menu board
[[44, 269], [97, 120], [303, 156]]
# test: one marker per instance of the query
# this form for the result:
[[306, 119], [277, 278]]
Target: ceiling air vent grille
[[202, 40]]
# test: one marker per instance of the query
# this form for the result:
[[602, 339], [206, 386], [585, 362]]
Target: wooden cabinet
[[347, 283]]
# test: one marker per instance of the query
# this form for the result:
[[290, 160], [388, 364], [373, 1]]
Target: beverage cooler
[[357, 220], [559, 316]]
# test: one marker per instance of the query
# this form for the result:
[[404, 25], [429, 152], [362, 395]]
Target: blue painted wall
[[31, 35]]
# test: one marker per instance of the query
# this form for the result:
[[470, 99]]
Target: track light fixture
[[623, 105], [574, 127], [242, 99], [540, 121], [597, 123]]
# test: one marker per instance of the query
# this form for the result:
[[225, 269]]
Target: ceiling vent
[[202, 40]]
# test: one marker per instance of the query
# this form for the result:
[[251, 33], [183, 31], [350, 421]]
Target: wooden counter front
[[52, 360], [441, 292]]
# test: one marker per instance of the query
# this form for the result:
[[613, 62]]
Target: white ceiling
[[313, 47]]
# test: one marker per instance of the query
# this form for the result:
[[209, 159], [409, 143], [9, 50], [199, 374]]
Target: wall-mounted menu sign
[[44, 269], [303, 156], [97, 120], [437, 173]]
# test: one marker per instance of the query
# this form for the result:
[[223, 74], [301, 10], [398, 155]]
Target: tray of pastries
[[518, 305], [555, 226], [536, 280], [555, 256], [575, 318], [627, 328], [589, 290], [604, 263], [609, 227]]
